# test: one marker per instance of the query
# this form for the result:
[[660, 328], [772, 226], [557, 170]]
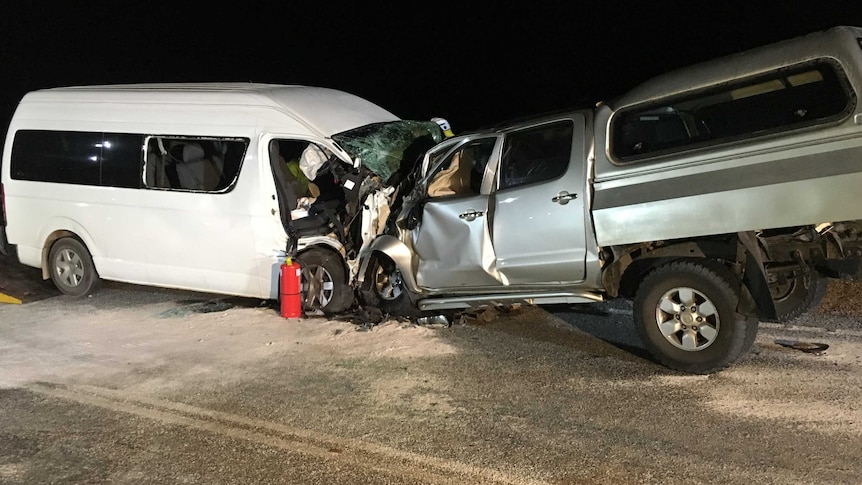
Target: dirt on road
[[134, 385]]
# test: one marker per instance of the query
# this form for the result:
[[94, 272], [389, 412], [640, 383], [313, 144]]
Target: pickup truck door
[[537, 210], [451, 237]]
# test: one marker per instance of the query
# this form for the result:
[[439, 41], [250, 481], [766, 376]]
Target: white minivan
[[203, 187]]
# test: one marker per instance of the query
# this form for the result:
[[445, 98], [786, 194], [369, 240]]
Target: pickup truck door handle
[[563, 197], [471, 215]]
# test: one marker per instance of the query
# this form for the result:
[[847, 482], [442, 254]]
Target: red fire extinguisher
[[291, 299]]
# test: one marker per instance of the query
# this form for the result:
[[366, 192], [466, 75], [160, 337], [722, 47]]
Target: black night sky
[[474, 65]]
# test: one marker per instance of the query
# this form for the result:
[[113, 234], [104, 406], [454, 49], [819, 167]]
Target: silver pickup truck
[[714, 197]]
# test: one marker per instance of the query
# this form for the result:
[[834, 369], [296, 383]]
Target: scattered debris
[[479, 315], [808, 347], [362, 316], [434, 320], [483, 315]]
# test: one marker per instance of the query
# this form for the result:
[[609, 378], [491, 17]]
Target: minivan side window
[[536, 154], [787, 99], [57, 156], [121, 160], [117, 160], [198, 164]]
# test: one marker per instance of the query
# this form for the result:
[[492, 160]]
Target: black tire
[[324, 284], [799, 296], [751, 325], [386, 289], [685, 314], [72, 269]]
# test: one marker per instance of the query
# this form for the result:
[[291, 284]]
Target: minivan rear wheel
[[72, 268]]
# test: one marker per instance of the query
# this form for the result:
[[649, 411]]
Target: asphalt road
[[138, 385]]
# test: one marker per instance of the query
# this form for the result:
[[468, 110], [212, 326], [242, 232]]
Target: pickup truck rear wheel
[[685, 314], [797, 295]]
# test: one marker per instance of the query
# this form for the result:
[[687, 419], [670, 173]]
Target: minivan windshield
[[383, 147]]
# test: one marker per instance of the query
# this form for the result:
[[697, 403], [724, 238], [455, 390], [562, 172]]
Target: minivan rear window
[[787, 99]]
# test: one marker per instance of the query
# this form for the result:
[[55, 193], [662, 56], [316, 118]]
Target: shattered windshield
[[383, 147]]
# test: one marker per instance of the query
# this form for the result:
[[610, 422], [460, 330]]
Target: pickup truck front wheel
[[685, 314], [387, 289]]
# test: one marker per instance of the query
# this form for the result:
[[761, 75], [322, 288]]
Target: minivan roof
[[324, 110]]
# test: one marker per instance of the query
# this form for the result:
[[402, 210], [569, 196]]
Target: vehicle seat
[[322, 217], [282, 174], [196, 172]]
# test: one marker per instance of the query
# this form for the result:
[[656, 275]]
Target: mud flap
[[3, 242], [754, 280]]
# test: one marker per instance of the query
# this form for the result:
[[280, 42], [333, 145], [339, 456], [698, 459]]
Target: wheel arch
[[737, 253]]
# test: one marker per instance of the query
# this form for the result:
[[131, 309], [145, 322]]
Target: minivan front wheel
[[323, 283], [685, 313], [72, 268]]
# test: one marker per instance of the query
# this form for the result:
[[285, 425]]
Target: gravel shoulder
[[135, 385], [843, 298], [141, 385]]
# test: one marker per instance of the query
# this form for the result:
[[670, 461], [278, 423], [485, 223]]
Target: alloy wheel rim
[[687, 319], [317, 286], [388, 284], [69, 268]]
